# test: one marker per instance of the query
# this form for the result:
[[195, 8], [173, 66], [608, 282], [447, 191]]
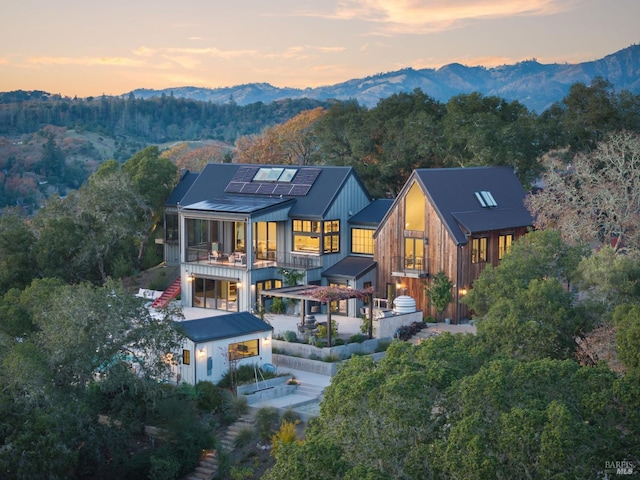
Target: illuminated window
[[479, 250], [414, 206], [362, 241], [309, 235], [413, 253], [504, 244], [267, 285], [246, 349], [332, 236], [186, 357]]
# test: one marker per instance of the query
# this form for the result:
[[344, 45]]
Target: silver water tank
[[404, 304]]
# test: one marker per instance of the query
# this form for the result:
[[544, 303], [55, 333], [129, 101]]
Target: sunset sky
[[89, 48]]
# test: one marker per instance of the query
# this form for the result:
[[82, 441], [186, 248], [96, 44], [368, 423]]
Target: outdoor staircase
[[229, 439], [308, 390], [169, 294], [207, 468]]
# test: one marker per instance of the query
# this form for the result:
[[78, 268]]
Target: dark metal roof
[[223, 326], [372, 214], [181, 189], [238, 204], [350, 267], [214, 179], [452, 193]]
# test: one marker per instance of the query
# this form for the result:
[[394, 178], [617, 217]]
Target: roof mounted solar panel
[[285, 181]]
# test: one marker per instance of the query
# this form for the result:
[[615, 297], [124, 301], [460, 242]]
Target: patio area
[[347, 326]]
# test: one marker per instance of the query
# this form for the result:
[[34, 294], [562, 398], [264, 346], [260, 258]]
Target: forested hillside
[[53, 144]]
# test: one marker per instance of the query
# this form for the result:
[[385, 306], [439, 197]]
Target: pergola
[[321, 294]]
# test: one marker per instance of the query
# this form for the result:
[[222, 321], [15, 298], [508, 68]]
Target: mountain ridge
[[535, 85]]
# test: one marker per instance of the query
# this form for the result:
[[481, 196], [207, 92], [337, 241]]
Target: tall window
[[309, 236], [171, 228], [264, 238], [479, 250], [240, 350], [413, 253], [332, 236], [186, 357], [362, 241], [414, 209], [504, 244]]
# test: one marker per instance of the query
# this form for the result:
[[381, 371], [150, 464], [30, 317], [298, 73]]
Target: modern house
[[215, 344], [456, 220], [232, 227]]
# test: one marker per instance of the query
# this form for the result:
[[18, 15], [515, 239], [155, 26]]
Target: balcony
[[203, 255], [412, 267]]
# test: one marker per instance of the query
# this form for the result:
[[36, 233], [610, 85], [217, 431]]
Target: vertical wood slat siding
[[442, 254]]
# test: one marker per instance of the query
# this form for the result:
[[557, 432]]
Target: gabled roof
[[350, 267], [223, 326], [221, 186], [457, 196], [182, 188], [454, 194], [372, 214]]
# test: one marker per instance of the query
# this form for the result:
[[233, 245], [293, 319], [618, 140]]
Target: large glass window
[[504, 244], [332, 236], [479, 250], [197, 232], [414, 209], [413, 253], [171, 228], [264, 238], [246, 349], [239, 236], [362, 241], [309, 235], [215, 294]]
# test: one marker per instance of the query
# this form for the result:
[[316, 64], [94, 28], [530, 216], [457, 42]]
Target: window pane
[[246, 349], [362, 241]]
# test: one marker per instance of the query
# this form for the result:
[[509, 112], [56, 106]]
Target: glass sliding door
[[215, 294]]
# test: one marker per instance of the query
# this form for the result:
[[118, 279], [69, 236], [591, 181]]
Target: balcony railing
[[410, 266], [300, 261]]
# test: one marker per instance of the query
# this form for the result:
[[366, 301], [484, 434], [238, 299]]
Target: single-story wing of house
[[214, 343]]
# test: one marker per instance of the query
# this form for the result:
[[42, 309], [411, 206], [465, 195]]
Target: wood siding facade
[[441, 253]]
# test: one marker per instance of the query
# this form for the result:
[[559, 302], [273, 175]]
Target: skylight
[[274, 174], [485, 199]]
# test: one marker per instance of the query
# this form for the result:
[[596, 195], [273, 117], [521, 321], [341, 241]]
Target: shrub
[[267, 419], [277, 305], [290, 416], [243, 374], [245, 436], [286, 434], [322, 330], [357, 338], [237, 407], [382, 346], [290, 336], [331, 358], [212, 398]]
